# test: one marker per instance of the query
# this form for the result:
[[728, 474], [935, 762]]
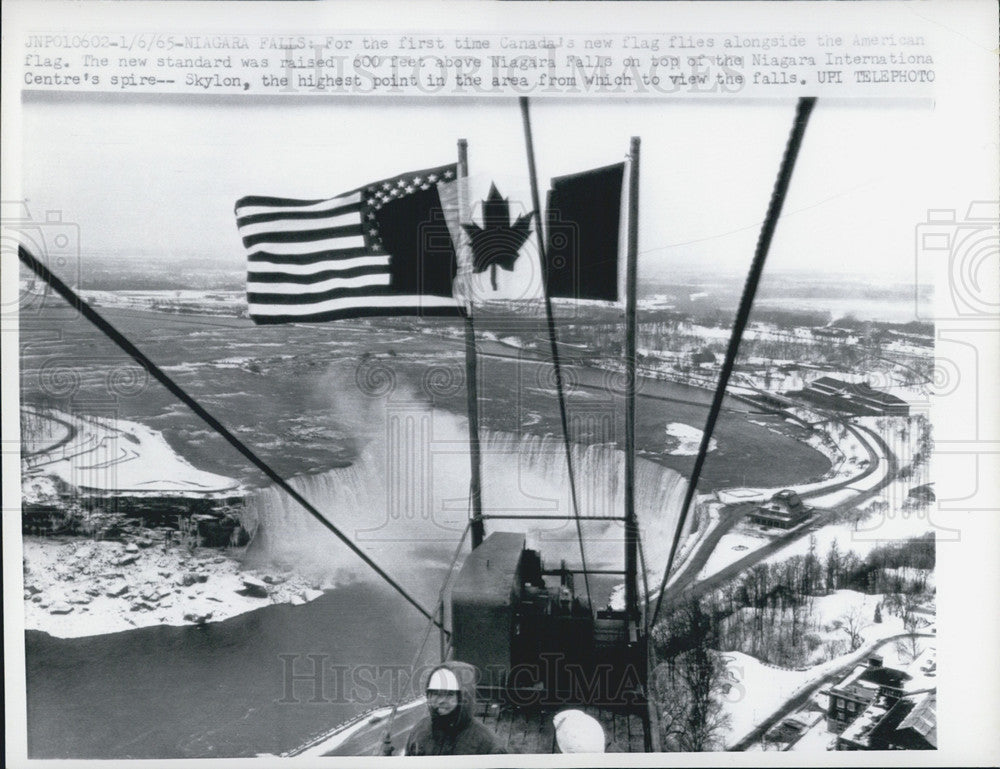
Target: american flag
[[382, 249]]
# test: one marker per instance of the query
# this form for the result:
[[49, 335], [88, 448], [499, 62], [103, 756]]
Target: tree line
[[769, 614]]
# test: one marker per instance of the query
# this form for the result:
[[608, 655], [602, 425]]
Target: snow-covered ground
[[76, 587], [114, 456], [687, 438], [741, 494], [816, 740], [833, 608], [760, 689], [708, 512], [732, 547]]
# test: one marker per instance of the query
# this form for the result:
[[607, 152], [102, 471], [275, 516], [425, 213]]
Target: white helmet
[[443, 680], [576, 732]]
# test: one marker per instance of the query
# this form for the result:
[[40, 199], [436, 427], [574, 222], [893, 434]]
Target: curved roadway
[[684, 586]]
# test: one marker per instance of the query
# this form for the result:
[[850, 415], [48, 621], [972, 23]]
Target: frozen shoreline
[[76, 587]]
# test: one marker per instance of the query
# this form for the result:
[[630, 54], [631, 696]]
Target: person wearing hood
[[450, 728]]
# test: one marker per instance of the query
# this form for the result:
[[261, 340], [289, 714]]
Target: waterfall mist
[[405, 502]]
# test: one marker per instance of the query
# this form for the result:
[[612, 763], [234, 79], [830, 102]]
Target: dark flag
[[382, 249], [582, 225]]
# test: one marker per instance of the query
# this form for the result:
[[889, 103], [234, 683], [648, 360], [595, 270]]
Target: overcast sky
[[158, 177]]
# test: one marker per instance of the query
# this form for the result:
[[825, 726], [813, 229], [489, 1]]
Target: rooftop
[[923, 718], [859, 730], [914, 712], [860, 389]]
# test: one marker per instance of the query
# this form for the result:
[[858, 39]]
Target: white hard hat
[[443, 680], [576, 732]]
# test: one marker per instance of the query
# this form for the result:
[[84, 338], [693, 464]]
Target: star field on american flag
[[378, 194]]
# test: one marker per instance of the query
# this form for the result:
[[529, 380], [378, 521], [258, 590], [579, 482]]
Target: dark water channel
[[225, 689]]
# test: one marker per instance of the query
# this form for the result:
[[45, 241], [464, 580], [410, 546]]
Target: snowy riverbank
[[134, 571], [78, 587]]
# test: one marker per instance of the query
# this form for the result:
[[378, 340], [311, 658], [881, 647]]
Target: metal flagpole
[[472, 397], [536, 204], [631, 525]]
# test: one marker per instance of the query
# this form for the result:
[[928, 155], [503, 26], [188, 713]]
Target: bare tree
[[688, 688], [911, 623], [689, 691], [832, 566], [811, 572], [894, 603], [833, 647], [852, 622], [671, 704]]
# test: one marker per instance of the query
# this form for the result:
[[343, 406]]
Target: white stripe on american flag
[[332, 204], [330, 305], [298, 225], [316, 288], [312, 246], [311, 269]]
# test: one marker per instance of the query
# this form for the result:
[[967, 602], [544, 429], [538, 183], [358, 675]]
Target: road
[[684, 586]]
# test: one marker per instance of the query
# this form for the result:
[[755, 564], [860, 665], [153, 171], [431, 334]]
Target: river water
[[218, 690]]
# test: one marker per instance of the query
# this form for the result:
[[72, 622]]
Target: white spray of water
[[405, 501], [408, 513]]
